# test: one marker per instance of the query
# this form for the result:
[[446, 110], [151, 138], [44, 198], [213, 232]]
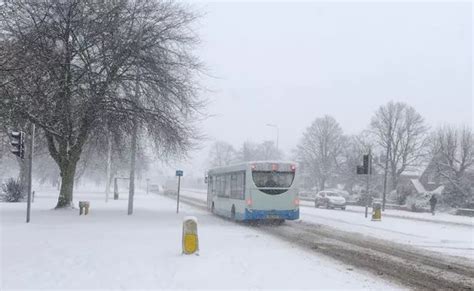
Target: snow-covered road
[[444, 233], [450, 239], [404, 262], [109, 249]]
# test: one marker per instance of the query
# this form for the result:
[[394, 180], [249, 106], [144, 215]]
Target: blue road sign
[[179, 173]]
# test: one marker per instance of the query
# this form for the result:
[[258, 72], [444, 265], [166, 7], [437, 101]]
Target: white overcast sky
[[288, 63]]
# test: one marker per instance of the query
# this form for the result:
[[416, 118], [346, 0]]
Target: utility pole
[[147, 180], [30, 171], [369, 172], [389, 148], [109, 160], [131, 191]]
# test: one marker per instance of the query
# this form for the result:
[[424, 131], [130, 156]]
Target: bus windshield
[[267, 179]]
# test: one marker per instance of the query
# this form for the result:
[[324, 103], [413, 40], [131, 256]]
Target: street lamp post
[[275, 126]]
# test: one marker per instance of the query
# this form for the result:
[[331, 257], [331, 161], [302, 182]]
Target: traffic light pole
[[369, 172], [30, 171], [368, 194]]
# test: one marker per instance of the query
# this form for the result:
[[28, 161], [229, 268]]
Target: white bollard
[[190, 235]]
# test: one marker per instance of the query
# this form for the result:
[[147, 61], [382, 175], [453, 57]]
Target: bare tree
[[258, 152], [353, 149], [71, 67], [248, 152], [320, 148], [268, 151], [4, 142], [453, 154], [401, 132], [221, 154]]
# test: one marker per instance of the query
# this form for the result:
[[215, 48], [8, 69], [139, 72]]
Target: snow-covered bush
[[460, 196], [363, 198], [418, 202], [400, 195], [12, 191]]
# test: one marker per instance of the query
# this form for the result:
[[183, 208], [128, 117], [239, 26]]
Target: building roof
[[418, 186], [415, 171]]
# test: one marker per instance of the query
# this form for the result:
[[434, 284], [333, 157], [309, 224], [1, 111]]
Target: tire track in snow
[[410, 266]]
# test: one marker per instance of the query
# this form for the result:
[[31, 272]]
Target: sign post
[[179, 174], [147, 181]]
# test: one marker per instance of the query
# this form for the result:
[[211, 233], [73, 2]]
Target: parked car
[[306, 195], [330, 199], [342, 193], [170, 187], [155, 188]]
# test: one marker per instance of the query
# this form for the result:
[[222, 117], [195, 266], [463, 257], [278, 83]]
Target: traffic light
[[18, 143], [366, 164], [366, 167]]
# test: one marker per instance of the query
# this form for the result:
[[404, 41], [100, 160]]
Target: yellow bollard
[[84, 205], [376, 211], [190, 235]]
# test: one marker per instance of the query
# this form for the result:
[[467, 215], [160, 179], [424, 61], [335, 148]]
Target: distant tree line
[[223, 154], [400, 141]]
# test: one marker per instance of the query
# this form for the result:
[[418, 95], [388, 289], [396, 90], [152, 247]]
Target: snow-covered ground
[[445, 233], [421, 216], [109, 249], [450, 239]]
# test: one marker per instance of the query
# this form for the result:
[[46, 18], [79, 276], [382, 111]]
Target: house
[[426, 179], [430, 178], [409, 183]]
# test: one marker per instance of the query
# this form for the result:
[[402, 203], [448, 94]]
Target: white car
[[330, 199]]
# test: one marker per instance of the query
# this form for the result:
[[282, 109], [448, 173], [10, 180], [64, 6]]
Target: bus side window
[[234, 191], [221, 186], [212, 185], [218, 186], [243, 185], [227, 185], [239, 184]]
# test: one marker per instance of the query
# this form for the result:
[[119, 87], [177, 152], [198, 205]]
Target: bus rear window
[[264, 179]]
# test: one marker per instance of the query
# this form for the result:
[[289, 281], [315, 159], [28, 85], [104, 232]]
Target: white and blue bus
[[263, 190]]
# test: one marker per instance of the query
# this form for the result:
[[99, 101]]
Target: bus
[[263, 190]]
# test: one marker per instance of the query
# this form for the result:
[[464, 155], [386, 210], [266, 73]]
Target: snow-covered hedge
[[12, 191], [418, 202]]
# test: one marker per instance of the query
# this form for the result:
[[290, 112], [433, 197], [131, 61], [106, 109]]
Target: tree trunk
[[68, 172], [394, 182]]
